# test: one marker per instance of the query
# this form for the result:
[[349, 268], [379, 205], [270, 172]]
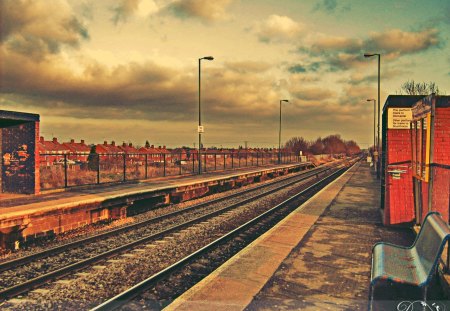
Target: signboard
[[200, 129], [399, 118]]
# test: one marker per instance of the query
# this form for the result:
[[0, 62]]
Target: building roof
[[80, 147], [51, 146]]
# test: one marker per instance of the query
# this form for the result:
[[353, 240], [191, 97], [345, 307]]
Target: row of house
[[52, 151]]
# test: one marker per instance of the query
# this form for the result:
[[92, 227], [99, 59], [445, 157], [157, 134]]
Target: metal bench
[[415, 265]]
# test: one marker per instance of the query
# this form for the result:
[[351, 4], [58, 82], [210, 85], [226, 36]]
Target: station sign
[[201, 129], [399, 118]]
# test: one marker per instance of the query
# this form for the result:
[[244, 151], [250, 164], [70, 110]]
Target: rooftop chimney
[[55, 140], [105, 143], [41, 139], [130, 144], [124, 144], [152, 146], [72, 141], [82, 141], [113, 143]]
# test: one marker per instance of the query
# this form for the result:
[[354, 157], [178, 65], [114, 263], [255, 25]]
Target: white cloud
[[278, 28]]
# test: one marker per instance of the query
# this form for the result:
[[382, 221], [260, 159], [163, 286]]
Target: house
[[77, 151], [109, 152], [51, 152]]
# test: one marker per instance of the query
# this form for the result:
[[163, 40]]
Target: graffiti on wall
[[15, 162]]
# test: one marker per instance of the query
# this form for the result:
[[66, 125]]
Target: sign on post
[[399, 118], [200, 129]]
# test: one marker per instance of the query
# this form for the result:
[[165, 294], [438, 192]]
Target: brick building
[[19, 169], [415, 157]]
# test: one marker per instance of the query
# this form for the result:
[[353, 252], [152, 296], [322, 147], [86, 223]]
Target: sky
[[127, 70]]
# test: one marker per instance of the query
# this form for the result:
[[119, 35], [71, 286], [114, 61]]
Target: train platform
[[28, 216], [318, 258]]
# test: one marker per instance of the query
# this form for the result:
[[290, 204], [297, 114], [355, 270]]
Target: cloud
[[278, 28], [329, 6], [40, 27], [128, 8], [205, 10], [330, 53], [138, 90], [311, 93], [323, 44], [297, 69], [397, 41]]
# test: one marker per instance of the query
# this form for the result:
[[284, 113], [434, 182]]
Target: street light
[[378, 132], [374, 117], [200, 127], [279, 133]]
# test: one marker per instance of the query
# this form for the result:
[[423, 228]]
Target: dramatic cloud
[[278, 28], [205, 10], [340, 53], [36, 28]]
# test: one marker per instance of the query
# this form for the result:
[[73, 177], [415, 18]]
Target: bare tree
[[419, 88]]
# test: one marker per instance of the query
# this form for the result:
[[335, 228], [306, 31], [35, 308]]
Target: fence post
[[224, 162], [193, 163], [98, 169], [239, 160], [164, 158], [124, 166], [65, 170], [215, 161], [204, 162], [146, 165], [232, 160], [180, 161]]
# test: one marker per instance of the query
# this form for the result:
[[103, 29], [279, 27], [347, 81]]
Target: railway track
[[160, 289], [174, 224]]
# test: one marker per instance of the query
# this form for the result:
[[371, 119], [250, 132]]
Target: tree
[[333, 144], [297, 144], [147, 144], [352, 148], [419, 88], [93, 159], [317, 146]]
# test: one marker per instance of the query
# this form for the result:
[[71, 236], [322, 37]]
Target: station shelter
[[415, 158], [19, 169]]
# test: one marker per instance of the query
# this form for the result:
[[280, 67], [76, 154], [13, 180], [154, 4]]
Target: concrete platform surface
[[318, 258], [76, 196]]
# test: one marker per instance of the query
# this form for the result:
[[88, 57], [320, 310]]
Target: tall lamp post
[[279, 133], [200, 127], [378, 132], [374, 118]]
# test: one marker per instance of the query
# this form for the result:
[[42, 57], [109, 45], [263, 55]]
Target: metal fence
[[76, 169]]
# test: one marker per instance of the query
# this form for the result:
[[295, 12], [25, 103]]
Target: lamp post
[[279, 133], [378, 127], [374, 118], [200, 127]]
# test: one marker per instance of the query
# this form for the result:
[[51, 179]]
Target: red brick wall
[[37, 183], [399, 205], [19, 144], [441, 183]]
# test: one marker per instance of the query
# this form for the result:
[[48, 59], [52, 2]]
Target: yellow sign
[[399, 118]]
